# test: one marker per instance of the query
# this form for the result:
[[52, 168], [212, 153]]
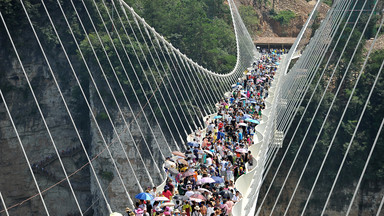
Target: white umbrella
[[204, 190], [208, 152], [169, 164], [242, 124]]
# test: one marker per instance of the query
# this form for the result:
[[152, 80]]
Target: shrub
[[284, 17]]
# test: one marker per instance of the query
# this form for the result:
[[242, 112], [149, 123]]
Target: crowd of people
[[201, 181]]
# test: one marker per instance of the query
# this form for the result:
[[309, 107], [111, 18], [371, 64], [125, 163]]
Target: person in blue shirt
[[240, 136]]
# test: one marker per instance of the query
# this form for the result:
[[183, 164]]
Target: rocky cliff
[[16, 183]]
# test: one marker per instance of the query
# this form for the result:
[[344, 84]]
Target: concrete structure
[[274, 42]]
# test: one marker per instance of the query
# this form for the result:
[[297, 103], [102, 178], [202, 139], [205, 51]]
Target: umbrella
[[226, 194], [182, 161], [196, 200], [177, 153], [217, 117], [167, 204], [193, 144], [208, 152], [248, 120], [254, 121], [169, 163], [242, 124], [206, 180], [161, 198], [180, 197], [173, 171], [277, 63], [247, 116], [242, 150], [188, 173], [191, 156], [204, 190], [217, 179], [144, 196], [198, 196]]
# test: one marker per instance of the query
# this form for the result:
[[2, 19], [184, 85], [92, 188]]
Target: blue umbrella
[[217, 179], [144, 196], [254, 121], [216, 117], [277, 63], [248, 120]]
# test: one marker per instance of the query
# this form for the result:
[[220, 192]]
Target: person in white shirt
[[189, 192], [209, 160], [210, 210]]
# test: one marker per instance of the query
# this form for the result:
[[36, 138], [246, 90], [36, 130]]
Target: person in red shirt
[[166, 192], [170, 186], [221, 125]]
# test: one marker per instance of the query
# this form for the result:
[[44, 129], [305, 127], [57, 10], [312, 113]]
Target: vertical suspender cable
[[2, 199], [18, 137], [353, 136], [337, 128], [365, 167], [41, 113]]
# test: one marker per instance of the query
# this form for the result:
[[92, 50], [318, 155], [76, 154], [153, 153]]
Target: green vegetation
[[102, 116], [106, 175], [284, 17], [202, 29], [250, 18], [328, 2]]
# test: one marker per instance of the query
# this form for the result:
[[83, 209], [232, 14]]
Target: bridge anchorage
[[143, 122]]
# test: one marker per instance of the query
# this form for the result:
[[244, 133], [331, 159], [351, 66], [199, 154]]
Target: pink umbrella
[[188, 173], [161, 199], [198, 196], [242, 150], [206, 180], [177, 153], [196, 200]]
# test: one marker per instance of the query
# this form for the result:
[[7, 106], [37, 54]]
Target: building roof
[[274, 40]]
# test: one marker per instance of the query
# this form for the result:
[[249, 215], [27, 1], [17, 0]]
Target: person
[[177, 212], [129, 212], [143, 206], [153, 192], [229, 204], [166, 192], [189, 192], [203, 208], [210, 209], [187, 208], [209, 160], [197, 212]]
